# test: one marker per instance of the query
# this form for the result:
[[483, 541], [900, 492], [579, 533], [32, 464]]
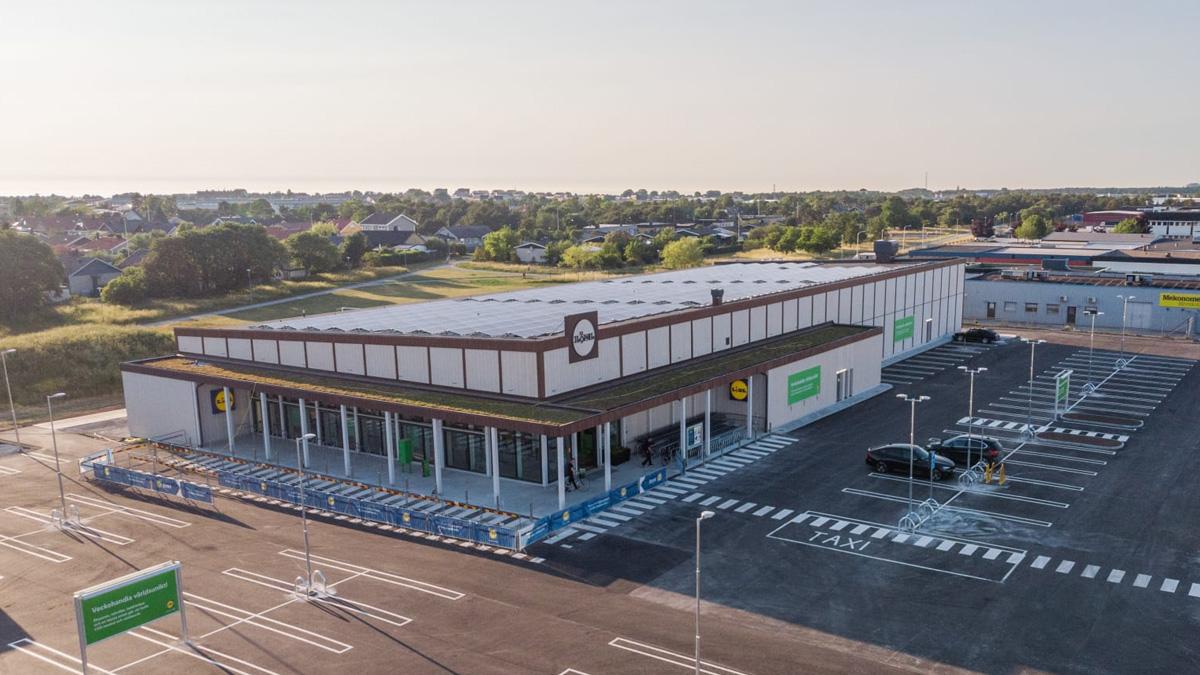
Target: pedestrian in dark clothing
[[571, 475], [647, 453]]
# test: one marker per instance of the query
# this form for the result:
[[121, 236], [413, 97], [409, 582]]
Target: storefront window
[[464, 450], [520, 456]]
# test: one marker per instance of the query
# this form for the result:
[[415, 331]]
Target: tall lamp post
[[1124, 318], [1092, 340], [304, 514], [704, 515], [1029, 410], [11, 406], [912, 440], [971, 410], [62, 496]]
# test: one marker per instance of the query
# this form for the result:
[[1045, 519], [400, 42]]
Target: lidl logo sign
[[407, 517], [566, 516], [219, 404], [330, 500], [492, 534], [739, 390]]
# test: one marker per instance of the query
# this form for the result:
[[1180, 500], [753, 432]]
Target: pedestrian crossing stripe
[[692, 497]]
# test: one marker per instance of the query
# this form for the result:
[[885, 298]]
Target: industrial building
[[502, 391]]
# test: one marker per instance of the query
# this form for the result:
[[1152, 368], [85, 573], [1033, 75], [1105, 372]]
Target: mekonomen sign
[[114, 607], [581, 332]]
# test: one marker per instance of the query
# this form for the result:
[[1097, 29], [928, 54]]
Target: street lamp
[[858, 238], [62, 497], [912, 441], [1092, 339], [1029, 411], [12, 407], [248, 283], [704, 515], [304, 513], [971, 410], [1124, 317]]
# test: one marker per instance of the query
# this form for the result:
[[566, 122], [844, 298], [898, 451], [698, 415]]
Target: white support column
[[317, 417], [683, 431], [750, 407], [304, 430], [545, 462], [357, 431], [439, 455], [607, 456], [389, 440], [562, 489], [282, 419], [707, 422], [345, 441], [575, 450], [229, 418], [494, 434], [598, 446], [517, 448], [266, 422]]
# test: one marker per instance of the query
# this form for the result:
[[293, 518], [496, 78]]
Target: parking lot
[[1079, 562]]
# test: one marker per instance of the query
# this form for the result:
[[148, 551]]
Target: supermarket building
[[495, 394]]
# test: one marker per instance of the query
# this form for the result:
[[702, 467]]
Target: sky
[[105, 97]]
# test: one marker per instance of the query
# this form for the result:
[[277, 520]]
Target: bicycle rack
[[73, 514]]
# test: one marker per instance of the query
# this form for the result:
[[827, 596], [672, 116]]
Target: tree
[[683, 253], [579, 257], [437, 246], [982, 227], [639, 251], [128, 289], [28, 270], [212, 260], [1129, 226], [313, 252], [1034, 226], [352, 250], [500, 246]]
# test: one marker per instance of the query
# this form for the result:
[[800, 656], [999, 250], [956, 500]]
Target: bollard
[[987, 475], [1002, 477], [466, 496]]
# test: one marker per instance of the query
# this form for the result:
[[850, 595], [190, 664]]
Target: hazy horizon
[[595, 97]]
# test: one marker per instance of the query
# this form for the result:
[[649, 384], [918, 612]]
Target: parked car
[[894, 457], [984, 335], [956, 447]]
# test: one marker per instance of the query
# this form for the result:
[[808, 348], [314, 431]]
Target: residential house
[[234, 220], [134, 258], [470, 236], [531, 252], [394, 240], [91, 277], [284, 230], [378, 222]]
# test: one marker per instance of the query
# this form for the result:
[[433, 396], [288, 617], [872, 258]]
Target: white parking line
[[172, 644], [150, 516], [682, 660], [85, 530], [29, 647], [247, 617], [34, 550]]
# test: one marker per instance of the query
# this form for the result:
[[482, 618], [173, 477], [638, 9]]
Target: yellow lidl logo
[[739, 390], [492, 534]]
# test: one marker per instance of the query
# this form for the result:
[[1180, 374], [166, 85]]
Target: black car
[[956, 448], [983, 335], [894, 458]]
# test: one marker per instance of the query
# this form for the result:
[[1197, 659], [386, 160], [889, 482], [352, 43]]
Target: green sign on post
[[114, 607], [1062, 391], [903, 328], [804, 384]]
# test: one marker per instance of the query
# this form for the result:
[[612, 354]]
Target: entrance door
[[1071, 315], [587, 449], [991, 310], [1139, 315]]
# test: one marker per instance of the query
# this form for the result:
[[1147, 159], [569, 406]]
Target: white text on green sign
[[804, 384]]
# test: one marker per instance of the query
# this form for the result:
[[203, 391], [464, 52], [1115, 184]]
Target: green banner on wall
[[804, 384], [903, 328]]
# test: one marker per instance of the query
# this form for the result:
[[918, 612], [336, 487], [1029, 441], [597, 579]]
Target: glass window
[[1031, 307], [1010, 306], [1051, 309]]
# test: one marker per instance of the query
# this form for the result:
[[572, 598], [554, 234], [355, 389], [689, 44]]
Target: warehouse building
[[503, 390]]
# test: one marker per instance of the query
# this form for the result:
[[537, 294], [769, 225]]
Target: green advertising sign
[[804, 384], [903, 328], [126, 603], [1064, 387]]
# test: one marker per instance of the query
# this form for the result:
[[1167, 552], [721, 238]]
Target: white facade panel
[[702, 336], [789, 316], [831, 306], [563, 376], [266, 351], [845, 306], [741, 327], [520, 373], [239, 348], [774, 319], [658, 347], [215, 346], [291, 353], [381, 361], [804, 310], [722, 327], [868, 304], [758, 323], [633, 352], [860, 357], [190, 344], [414, 363], [446, 366], [818, 309], [320, 355], [483, 370], [681, 341], [350, 358], [160, 407]]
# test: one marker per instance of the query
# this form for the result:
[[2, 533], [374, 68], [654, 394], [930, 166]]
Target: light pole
[[1029, 411], [62, 497], [971, 410], [1091, 340], [11, 406], [304, 514], [1124, 317], [248, 283], [857, 239], [912, 441], [704, 515]]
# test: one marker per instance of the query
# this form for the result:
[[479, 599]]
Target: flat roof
[[539, 312]]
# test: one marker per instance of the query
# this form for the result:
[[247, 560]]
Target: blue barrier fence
[[577, 512], [145, 481]]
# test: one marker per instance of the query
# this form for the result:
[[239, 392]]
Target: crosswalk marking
[[839, 526], [692, 497], [652, 500], [819, 522], [1116, 576], [752, 454], [745, 507], [900, 538], [1195, 591], [1142, 581], [600, 521], [671, 490], [586, 535], [968, 549], [764, 511], [726, 504], [923, 541], [992, 554], [880, 533], [1090, 571], [1040, 562], [1169, 585], [1015, 558], [1065, 566], [860, 529], [784, 513], [611, 513], [589, 528], [946, 545], [710, 501], [799, 519]]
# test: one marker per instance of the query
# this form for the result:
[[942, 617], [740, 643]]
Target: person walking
[[571, 475], [647, 453]]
